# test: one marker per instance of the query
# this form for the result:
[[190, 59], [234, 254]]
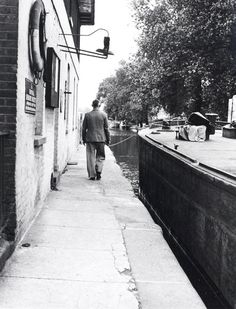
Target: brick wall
[[8, 68], [198, 207]]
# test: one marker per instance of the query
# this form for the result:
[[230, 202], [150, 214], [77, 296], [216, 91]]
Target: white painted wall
[[35, 165]]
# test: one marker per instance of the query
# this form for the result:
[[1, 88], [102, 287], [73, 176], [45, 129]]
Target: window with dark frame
[[52, 79], [67, 98]]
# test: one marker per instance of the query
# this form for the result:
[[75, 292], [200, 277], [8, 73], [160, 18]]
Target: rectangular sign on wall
[[86, 11], [30, 97]]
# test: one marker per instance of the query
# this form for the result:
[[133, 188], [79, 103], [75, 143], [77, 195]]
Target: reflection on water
[[124, 145]]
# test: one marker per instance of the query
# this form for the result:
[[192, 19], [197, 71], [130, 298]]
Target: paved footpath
[[94, 246]]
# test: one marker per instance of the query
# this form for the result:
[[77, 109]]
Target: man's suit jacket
[[95, 127]]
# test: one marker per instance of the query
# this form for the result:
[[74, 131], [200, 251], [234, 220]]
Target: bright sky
[[114, 16]]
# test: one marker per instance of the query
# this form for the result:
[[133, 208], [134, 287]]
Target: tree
[[115, 94], [187, 47], [126, 95]]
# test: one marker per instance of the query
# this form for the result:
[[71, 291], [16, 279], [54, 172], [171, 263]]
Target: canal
[[124, 145]]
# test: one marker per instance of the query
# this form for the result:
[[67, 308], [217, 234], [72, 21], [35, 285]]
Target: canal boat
[[114, 124], [125, 125]]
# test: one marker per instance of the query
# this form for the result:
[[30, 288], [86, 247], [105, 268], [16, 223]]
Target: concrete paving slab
[[132, 201], [168, 296], [77, 219], [57, 294], [80, 196], [151, 257], [142, 226], [72, 183], [58, 263], [111, 193], [73, 238], [80, 206], [127, 215], [91, 187]]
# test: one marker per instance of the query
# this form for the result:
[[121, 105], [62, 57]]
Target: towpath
[[94, 246]]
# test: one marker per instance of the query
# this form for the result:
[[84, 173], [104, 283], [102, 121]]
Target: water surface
[[124, 145]]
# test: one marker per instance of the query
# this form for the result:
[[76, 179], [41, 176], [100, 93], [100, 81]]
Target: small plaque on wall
[[30, 97]]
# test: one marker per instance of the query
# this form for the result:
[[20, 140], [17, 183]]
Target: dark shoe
[[99, 176], [92, 178]]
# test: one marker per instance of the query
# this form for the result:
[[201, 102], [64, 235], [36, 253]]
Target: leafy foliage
[[115, 94], [125, 95], [188, 46], [185, 62]]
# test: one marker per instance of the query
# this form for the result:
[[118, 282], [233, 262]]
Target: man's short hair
[[95, 103]]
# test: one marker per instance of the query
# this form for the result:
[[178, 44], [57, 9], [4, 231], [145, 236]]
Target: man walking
[[95, 135]]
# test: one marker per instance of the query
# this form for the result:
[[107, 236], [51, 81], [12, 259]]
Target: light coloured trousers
[[95, 153]]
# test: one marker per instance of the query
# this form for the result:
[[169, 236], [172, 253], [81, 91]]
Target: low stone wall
[[198, 206]]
